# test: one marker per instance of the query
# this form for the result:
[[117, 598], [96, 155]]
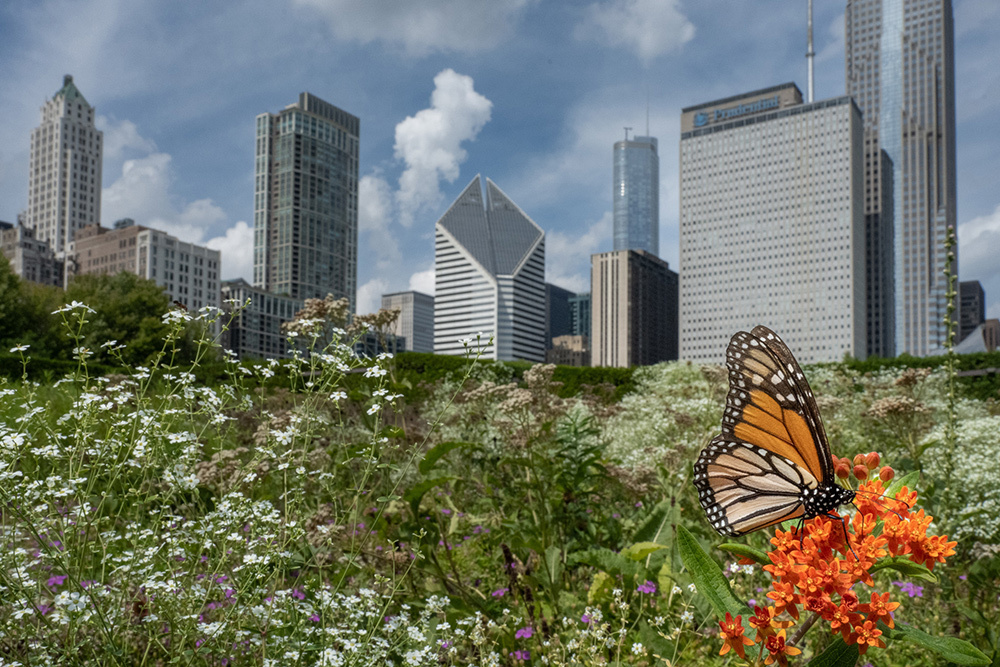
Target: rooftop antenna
[[627, 129], [647, 113], [809, 52]]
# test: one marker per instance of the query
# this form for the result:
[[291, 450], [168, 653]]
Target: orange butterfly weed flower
[[818, 568], [764, 623], [778, 650], [732, 631]]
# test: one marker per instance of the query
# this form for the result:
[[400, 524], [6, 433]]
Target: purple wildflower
[[910, 589], [524, 633], [649, 587], [298, 594], [56, 580], [586, 619], [521, 655], [500, 592]]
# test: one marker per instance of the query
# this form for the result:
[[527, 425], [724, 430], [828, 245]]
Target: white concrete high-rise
[[415, 324], [489, 276], [64, 177], [772, 224]]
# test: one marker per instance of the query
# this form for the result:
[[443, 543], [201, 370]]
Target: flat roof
[[734, 98]]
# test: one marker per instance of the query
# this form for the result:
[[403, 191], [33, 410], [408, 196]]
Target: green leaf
[[415, 493], [708, 576], [973, 615], [437, 452], [600, 589], [656, 527], [745, 551], [907, 567], [837, 654], [909, 481], [951, 649], [553, 563], [640, 550]]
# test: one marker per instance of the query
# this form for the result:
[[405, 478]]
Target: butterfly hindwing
[[744, 488]]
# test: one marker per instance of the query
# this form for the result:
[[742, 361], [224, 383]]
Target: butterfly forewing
[[771, 463]]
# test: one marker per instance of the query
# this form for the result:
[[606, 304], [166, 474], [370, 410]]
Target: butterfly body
[[772, 462]]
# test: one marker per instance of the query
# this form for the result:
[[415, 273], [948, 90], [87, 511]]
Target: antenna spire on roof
[[627, 129], [809, 52]]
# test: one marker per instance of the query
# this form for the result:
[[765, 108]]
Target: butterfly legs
[[843, 524]]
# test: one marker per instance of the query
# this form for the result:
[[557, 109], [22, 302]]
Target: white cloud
[[370, 295], [375, 211], [650, 28], [567, 255], [422, 26], [143, 194], [122, 136], [423, 281], [429, 142], [978, 240], [236, 246]]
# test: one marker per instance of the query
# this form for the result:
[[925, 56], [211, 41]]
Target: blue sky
[[530, 93]]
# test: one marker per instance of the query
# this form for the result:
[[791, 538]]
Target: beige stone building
[[634, 309], [64, 177], [188, 273], [30, 258]]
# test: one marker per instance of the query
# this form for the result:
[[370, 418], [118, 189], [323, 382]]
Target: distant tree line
[[127, 309]]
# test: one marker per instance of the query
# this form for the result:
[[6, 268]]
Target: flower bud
[[860, 472], [886, 474], [859, 459], [872, 460], [843, 470]]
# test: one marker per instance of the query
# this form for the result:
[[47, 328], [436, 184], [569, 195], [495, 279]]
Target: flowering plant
[[821, 571]]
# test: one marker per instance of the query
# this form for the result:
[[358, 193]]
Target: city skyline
[[177, 109]]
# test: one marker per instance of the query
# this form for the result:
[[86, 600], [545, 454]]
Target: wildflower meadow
[[411, 510]]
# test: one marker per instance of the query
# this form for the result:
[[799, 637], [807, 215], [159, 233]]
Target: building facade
[[415, 325], [64, 177], [569, 351], [636, 195], [489, 276], [558, 318], [772, 224], [257, 315], [635, 308], [971, 307], [900, 70], [188, 273], [579, 314], [306, 201], [29, 258]]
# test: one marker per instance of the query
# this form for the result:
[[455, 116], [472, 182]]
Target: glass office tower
[[306, 201], [900, 70], [636, 197]]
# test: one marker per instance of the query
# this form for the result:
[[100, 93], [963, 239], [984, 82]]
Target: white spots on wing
[[757, 379]]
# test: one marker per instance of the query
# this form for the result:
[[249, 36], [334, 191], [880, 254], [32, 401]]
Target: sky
[[529, 93]]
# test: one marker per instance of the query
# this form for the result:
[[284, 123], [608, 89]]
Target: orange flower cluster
[[817, 569]]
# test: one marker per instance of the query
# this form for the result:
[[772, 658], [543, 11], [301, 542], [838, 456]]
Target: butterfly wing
[[744, 488], [772, 446]]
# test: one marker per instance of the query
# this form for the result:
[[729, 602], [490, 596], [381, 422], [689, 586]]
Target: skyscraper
[[900, 70], [64, 178], [636, 195], [415, 324], [972, 307], [306, 201], [772, 224], [635, 309], [489, 276]]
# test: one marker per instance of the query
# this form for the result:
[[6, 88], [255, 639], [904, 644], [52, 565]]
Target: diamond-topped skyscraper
[[306, 201], [489, 276], [64, 179], [636, 195], [900, 68]]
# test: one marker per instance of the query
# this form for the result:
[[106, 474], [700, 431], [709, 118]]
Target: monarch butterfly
[[772, 461]]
